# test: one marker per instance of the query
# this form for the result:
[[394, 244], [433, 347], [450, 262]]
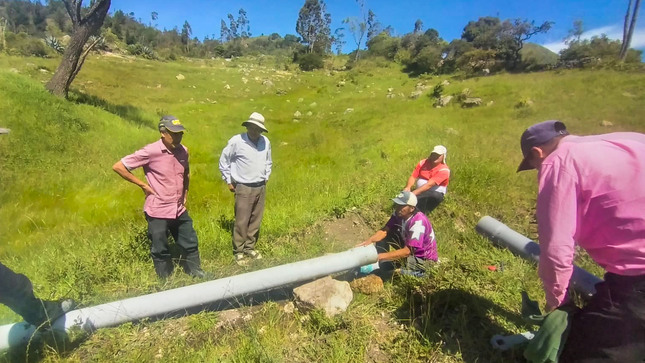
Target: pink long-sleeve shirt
[[167, 174], [591, 193]]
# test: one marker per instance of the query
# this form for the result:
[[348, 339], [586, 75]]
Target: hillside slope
[[76, 228]]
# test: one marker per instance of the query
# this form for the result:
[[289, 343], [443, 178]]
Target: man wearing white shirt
[[245, 165]]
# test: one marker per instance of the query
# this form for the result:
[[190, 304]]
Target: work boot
[[192, 265], [163, 268], [43, 313]]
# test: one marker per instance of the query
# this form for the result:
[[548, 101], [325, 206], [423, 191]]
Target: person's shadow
[[461, 323]]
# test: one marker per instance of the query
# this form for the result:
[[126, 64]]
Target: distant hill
[[537, 56]]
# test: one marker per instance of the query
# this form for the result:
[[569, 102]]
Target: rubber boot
[[163, 268], [41, 313], [192, 265]]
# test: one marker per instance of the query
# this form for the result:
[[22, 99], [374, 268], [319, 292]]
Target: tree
[[153, 17], [628, 28], [232, 27], [483, 33], [243, 24], [358, 27], [186, 32], [224, 32], [3, 26], [338, 41], [575, 33], [76, 52], [313, 25], [513, 36], [418, 26], [373, 26]]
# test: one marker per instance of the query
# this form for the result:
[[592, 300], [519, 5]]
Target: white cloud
[[612, 32]]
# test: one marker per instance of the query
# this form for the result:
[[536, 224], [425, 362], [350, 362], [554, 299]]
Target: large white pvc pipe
[[165, 302], [581, 280]]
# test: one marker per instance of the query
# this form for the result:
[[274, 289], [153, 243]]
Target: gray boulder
[[329, 295], [471, 102]]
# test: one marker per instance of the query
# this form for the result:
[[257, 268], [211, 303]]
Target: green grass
[[76, 229]]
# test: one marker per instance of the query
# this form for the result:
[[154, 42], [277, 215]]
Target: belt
[[253, 185]]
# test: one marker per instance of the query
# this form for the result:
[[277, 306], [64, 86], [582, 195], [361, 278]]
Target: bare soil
[[347, 231]]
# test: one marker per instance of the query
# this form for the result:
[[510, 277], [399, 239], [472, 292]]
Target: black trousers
[[611, 327], [181, 230], [16, 292], [429, 200]]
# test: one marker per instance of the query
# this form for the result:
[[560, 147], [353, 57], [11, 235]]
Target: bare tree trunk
[[3, 26], [628, 31], [74, 54]]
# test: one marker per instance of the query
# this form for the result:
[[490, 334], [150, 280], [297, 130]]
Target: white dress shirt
[[243, 161]]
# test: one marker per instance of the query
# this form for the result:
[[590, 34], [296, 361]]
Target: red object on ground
[[492, 268]]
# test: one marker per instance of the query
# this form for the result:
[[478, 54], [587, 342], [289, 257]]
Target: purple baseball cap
[[539, 134]]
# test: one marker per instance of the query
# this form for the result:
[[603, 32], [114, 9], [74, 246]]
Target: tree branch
[[83, 56]]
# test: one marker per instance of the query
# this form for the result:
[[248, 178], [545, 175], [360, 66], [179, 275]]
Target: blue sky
[[447, 16]]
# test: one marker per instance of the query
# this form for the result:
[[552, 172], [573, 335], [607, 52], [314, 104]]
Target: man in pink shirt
[[591, 194], [165, 165]]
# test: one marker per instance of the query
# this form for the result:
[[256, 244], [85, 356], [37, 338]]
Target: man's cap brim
[[524, 165], [399, 201], [175, 128]]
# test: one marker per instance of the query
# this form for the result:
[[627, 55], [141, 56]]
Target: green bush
[[23, 44], [141, 50], [310, 61]]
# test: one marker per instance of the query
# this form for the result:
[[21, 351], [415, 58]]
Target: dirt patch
[[347, 231]]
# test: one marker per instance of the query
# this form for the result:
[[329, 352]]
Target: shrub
[[55, 44], [437, 91], [23, 44], [141, 50], [310, 61]]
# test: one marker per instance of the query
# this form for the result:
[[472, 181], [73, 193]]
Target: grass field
[[76, 228]]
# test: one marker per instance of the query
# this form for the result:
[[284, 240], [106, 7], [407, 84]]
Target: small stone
[[349, 110], [369, 284], [227, 87], [606, 123], [180, 77], [289, 308], [313, 104], [297, 114], [310, 113], [300, 99]]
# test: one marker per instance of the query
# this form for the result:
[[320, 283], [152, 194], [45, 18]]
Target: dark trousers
[[17, 293], [429, 200], [611, 327], [183, 233], [249, 209]]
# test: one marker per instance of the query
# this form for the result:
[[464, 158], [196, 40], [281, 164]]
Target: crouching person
[[410, 234]]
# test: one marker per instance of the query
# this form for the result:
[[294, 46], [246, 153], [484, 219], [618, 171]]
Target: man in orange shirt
[[430, 178]]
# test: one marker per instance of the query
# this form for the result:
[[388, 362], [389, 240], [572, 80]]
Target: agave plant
[[98, 41], [54, 43]]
